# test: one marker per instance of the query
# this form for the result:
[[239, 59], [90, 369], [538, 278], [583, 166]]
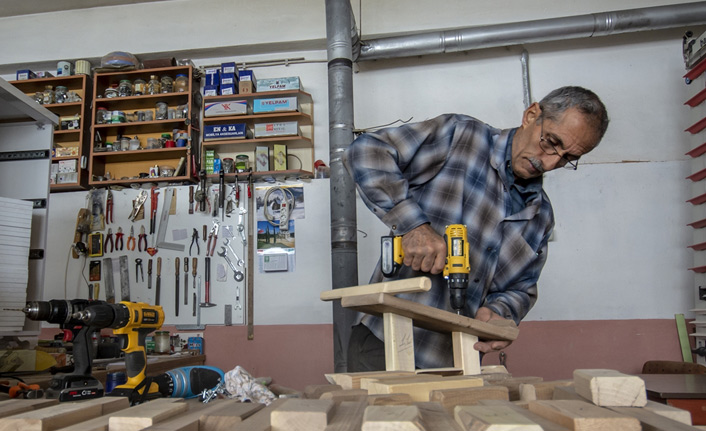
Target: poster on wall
[[277, 208]]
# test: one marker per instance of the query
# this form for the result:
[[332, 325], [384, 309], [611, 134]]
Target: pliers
[[143, 239], [131, 239], [109, 208], [108, 240], [119, 239], [195, 240], [212, 236]]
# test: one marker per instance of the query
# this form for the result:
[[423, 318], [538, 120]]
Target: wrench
[[241, 226], [237, 274], [238, 260]]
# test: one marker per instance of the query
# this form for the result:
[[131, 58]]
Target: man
[[455, 169]]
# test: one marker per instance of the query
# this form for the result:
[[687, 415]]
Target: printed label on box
[[278, 104], [226, 107], [225, 131]]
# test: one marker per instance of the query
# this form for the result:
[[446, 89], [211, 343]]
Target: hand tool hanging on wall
[[124, 279], [212, 238], [157, 290], [131, 239], [108, 279], [169, 195], [138, 270], [137, 205], [142, 242], [195, 240], [200, 195], [153, 219], [191, 199], [119, 239], [83, 226], [222, 194], [149, 274], [176, 291], [109, 207], [194, 265], [108, 240], [237, 274], [186, 281], [207, 283], [250, 282]]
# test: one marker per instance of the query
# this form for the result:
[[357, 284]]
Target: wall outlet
[[184, 336]]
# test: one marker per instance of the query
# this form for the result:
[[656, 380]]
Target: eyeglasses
[[550, 148]]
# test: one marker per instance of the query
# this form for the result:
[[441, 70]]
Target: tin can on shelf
[[117, 117]]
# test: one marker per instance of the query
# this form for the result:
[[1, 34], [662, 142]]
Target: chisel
[[176, 291], [159, 281], [149, 274], [186, 281]]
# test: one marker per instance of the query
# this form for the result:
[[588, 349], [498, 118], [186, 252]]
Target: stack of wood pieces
[[382, 401]]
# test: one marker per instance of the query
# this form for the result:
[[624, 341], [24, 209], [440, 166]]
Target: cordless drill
[[456, 269], [131, 322], [79, 384]]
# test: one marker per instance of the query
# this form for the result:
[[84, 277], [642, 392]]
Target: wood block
[[546, 424], [348, 416], [352, 380], [390, 400], [652, 421], [450, 398], [144, 415], [449, 371], [16, 406], [431, 318], [57, 416], [365, 382], [567, 393], [610, 388], [465, 356], [302, 415], [190, 421], [418, 284], [314, 392], [435, 418], [345, 395], [101, 423], [513, 385], [419, 390], [399, 342], [260, 421], [541, 390], [493, 418], [392, 418], [668, 411], [583, 416], [230, 413]]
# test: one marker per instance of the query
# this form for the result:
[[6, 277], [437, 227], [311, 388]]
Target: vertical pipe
[[344, 246]]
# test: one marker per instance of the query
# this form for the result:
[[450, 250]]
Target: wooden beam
[[345, 395], [229, 413], [419, 389], [652, 421], [450, 398], [58, 416], [102, 423], [302, 415], [348, 416], [583, 416], [352, 380], [435, 418], [432, 318], [418, 284], [610, 388], [314, 392], [261, 420], [392, 418], [465, 356], [493, 418], [16, 406], [546, 424], [145, 415], [399, 342]]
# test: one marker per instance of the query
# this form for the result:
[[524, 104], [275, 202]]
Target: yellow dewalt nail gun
[[131, 322], [456, 270]]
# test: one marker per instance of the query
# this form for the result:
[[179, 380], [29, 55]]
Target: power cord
[[285, 210]]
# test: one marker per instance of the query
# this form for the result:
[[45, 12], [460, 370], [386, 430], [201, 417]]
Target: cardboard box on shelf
[[278, 104], [226, 131], [280, 157], [262, 159], [276, 84], [225, 107], [286, 128]]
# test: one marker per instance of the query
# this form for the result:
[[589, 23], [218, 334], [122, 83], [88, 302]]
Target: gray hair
[[586, 101]]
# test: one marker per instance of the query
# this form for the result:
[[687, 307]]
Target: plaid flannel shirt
[[448, 170]]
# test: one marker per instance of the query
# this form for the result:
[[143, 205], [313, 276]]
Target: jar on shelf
[[139, 87], [161, 111], [110, 92], [242, 162], [181, 84], [39, 97], [60, 95], [103, 116], [167, 84], [125, 88], [154, 86], [48, 95]]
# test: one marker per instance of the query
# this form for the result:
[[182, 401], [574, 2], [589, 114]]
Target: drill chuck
[[58, 311]]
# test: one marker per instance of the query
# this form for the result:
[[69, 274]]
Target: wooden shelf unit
[[125, 167], [77, 138], [300, 149]]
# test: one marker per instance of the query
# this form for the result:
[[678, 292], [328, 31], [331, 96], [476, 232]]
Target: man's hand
[[424, 250], [485, 314]]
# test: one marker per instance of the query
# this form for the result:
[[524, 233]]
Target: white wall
[[620, 246]]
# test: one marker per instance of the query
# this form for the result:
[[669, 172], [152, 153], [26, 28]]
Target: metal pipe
[[573, 27], [344, 245]]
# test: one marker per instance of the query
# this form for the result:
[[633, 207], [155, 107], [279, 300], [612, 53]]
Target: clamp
[[108, 240], [195, 240], [119, 239], [143, 239], [21, 390], [131, 239], [109, 208]]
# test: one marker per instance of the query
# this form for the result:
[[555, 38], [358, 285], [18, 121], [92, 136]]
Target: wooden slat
[[101, 423], [145, 415], [419, 390], [668, 411], [541, 390], [652, 421], [399, 342], [582, 416], [545, 423], [348, 416], [610, 388], [432, 318], [302, 415], [345, 395], [390, 400], [315, 392], [189, 421], [465, 356], [58, 416], [231, 412], [495, 418], [450, 398], [13, 407], [418, 284], [513, 385], [352, 380], [435, 418], [260, 421]]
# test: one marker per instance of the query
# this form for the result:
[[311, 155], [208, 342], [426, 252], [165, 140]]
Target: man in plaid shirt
[[455, 169]]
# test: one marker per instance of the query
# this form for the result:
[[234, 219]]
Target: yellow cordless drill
[[131, 322], [456, 269]]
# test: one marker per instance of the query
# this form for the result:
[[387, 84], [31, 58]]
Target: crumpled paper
[[243, 387]]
